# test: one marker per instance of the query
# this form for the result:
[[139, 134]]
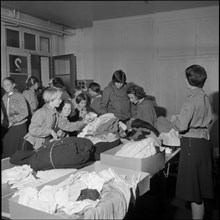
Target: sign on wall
[[18, 64]]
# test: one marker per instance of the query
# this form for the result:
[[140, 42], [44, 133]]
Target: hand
[[54, 135], [83, 113], [85, 121], [173, 118], [60, 133], [128, 123], [82, 125], [10, 124]]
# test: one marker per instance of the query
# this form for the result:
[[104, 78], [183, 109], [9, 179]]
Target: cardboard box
[[150, 165], [7, 192], [18, 211], [5, 164]]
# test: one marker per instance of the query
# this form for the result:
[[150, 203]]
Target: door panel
[[64, 67], [36, 66], [45, 64]]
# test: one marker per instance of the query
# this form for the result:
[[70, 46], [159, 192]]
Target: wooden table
[[7, 192]]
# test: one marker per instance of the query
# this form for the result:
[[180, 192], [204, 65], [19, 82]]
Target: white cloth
[[49, 175], [170, 138], [21, 176], [91, 127], [138, 149], [110, 137], [15, 174]]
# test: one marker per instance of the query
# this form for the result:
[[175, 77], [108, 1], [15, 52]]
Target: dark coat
[[69, 152]]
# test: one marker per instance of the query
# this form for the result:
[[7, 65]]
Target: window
[[62, 66], [18, 64], [44, 44], [12, 37], [29, 41], [18, 68]]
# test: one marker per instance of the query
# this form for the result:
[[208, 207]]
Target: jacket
[[144, 111], [95, 103], [68, 152], [41, 125], [116, 101], [31, 98], [18, 110]]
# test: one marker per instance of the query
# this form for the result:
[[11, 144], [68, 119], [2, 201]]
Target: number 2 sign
[[18, 64]]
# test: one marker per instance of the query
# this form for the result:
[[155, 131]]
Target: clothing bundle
[[170, 138], [103, 195], [19, 177], [102, 129], [68, 152], [138, 129], [138, 149]]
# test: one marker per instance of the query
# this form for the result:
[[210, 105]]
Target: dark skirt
[[13, 140], [194, 179]]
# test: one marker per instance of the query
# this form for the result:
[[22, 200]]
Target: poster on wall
[[18, 64]]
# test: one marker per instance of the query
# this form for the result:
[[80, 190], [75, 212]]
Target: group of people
[[62, 114]]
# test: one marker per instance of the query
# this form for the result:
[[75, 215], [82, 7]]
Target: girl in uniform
[[32, 85], [44, 121], [15, 118], [194, 179]]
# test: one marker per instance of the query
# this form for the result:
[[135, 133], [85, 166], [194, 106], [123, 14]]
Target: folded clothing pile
[[102, 129], [170, 138], [19, 177], [138, 149]]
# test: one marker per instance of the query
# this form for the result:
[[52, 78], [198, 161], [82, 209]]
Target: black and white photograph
[[110, 110]]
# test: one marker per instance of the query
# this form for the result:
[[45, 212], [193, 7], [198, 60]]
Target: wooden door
[[64, 67]]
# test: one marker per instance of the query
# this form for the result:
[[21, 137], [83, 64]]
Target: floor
[[162, 204]]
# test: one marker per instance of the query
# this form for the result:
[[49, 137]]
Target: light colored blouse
[[17, 108], [195, 116], [41, 124]]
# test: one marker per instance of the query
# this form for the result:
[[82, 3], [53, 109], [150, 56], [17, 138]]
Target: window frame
[[49, 44], [19, 34]]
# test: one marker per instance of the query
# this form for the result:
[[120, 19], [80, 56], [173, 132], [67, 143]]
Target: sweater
[[116, 101]]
